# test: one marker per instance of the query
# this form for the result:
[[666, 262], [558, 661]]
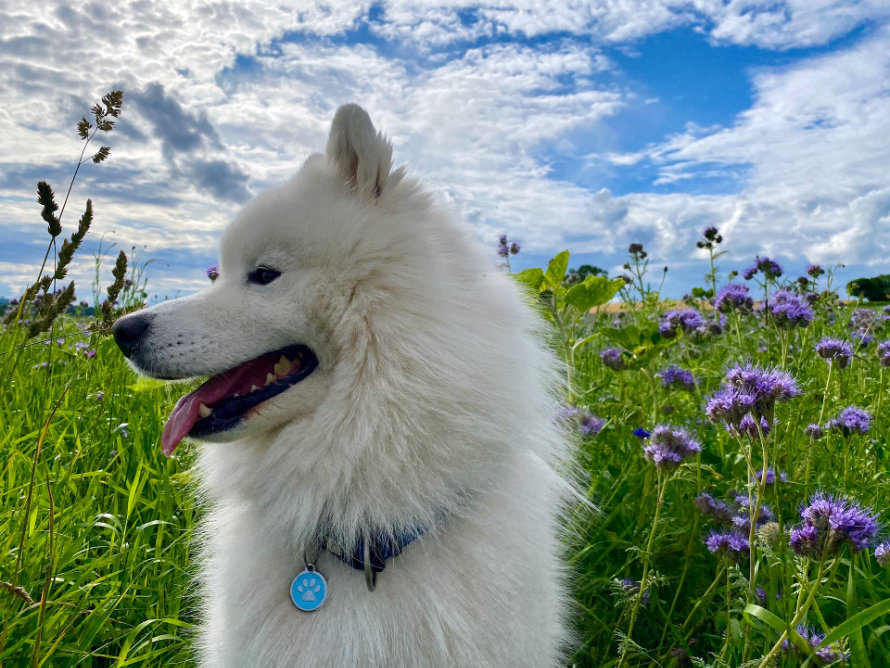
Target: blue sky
[[585, 126]]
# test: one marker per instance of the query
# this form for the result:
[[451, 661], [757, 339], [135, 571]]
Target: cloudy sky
[[584, 125]]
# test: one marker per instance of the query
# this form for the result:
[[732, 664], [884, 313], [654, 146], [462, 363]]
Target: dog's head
[[271, 330]]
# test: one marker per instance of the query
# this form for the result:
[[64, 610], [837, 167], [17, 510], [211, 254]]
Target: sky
[[585, 125]]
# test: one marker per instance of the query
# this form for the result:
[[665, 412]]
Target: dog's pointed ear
[[361, 156]]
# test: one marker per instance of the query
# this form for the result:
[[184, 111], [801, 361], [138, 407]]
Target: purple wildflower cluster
[[827, 655], [771, 476], [506, 247], [828, 523], [750, 390], [813, 431], [613, 359], [729, 545], [882, 554], [851, 420], [732, 514], [586, 422], [677, 377], [213, 272], [688, 320], [884, 353], [863, 323], [836, 351], [770, 269], [668, 447], [734, 297], [789, 310]]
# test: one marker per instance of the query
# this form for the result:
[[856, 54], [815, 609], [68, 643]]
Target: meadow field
[[734, 447]]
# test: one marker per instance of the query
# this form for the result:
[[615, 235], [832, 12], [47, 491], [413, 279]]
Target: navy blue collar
[[383, 546]]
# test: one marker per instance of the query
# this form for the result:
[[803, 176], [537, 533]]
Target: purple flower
[[861, 338], [734, 297], [668, 447], [835, 350], [750, 389], [761, 594], [748, 427], [641, 433], [567, 412], [789, 310], [851, 420], [770, 269], [827, 655], [815, 271], [689, 320], [729, 545], [674, 376], [861, 319], [828, 523], [716, 508], [771, 476], [514, 248], [805, 541], [882, 554], [90, 353], [589, 424], [710, 233], [100, 396], [213, 272], [612, 358], [813, 430], [884, 353]]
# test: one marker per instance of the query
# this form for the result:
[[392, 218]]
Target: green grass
[[96, 524]]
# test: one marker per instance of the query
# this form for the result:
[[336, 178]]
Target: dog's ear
[[360, 155]]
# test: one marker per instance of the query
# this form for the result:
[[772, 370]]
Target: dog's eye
[[263, 275]]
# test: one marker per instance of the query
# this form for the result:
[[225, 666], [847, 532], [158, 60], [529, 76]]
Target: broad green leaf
[[556, 270], [533, 278], [856, 622], [592, 291], [778, 624], [857, 644]]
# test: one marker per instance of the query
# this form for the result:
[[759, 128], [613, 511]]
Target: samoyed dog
[[379, 449]]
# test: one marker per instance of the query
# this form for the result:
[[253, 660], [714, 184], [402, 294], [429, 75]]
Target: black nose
[[128, 331]]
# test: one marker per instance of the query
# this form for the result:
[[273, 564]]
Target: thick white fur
[[434, 392]]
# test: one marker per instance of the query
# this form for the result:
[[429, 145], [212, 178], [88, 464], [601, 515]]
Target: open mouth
[[224, 400]]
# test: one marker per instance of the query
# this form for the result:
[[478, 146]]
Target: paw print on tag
[[308, 590]]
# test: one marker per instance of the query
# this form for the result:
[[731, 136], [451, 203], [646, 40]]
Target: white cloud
[[810, 155]]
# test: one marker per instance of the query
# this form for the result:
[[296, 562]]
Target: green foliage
[[95, 522], [874, 289]]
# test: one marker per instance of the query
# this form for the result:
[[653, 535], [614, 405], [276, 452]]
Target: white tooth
[[253, 388], [204, 411], [270, 378], [278, 369], [285, 364]]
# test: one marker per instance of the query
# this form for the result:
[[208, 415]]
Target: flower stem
[[662, 486]]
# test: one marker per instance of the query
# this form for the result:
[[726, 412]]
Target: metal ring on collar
[[370, 575]]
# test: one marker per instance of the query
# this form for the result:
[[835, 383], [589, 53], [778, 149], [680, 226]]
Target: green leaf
[[533, 278], [556, 270], [778, 624], [592, 291], [857, 644], [857, 622]]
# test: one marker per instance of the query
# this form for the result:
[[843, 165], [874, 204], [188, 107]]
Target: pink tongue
[[238, 380]]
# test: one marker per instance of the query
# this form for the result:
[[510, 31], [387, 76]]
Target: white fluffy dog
[[380, 409]]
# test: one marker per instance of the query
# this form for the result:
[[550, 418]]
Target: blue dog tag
[[308, 590]]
